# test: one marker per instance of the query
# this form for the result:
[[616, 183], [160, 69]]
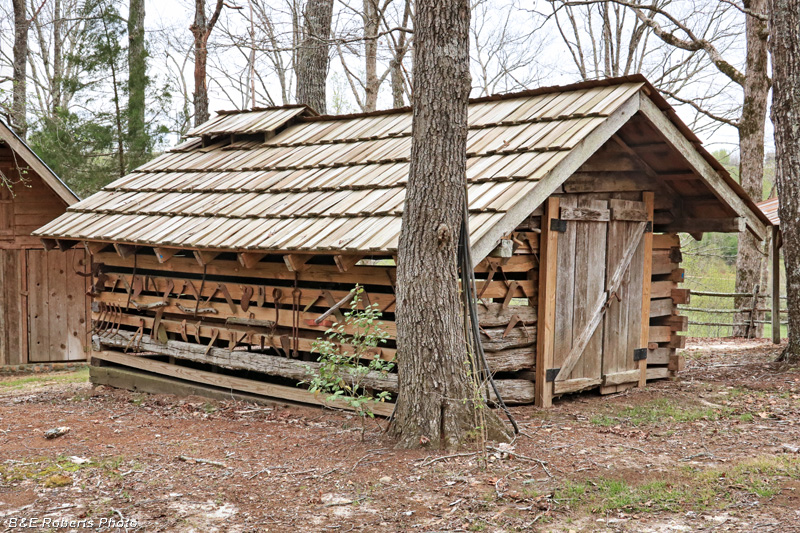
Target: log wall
[[263, 317], [666, 324]]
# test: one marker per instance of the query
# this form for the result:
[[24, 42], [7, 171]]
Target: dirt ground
[[713, 451]]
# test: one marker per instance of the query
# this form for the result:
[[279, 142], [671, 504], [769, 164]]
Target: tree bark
[[58, 58], [312, 57], [438, 400], [372, 18], [19, 105], [201, 31], [401, 44], [750, 258], [137, 83], [785, 42]]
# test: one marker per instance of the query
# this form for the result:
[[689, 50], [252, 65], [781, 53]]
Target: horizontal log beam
[[704, 225], [659, 356], [512, 360], [242, 360], [667, 240], [575, 385], [308, 297], [495, 340], [619, 378], [513, 391], [495, 315], [662, 307], [365, 275], [204, 330], [294, 394], [178, 307]]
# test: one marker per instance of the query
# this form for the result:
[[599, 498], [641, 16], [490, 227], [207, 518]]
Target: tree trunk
[[785, 41], [372, 20], [137, 82], [400, 50], [750, 258], [58, 58], [200, 58], [19, 105], [438, 400], [312, 60], [201, 31]]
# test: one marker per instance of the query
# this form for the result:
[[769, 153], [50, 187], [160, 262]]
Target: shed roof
[[20, 147], [328, 183], [770, 210]]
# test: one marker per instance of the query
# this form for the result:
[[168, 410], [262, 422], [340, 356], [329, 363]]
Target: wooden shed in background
[[770, 208], [215, 261], [43, 303]]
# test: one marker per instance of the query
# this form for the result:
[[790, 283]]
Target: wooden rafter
[[709, 175]]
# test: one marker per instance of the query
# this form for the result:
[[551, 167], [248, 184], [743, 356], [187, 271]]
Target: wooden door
[[600, 286], [580, 282], [12, 326], [57, 305]]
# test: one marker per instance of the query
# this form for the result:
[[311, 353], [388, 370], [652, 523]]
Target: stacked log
[[264, 316], [665, 322]]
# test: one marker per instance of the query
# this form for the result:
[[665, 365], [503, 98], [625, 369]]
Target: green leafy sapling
[[347, 355]]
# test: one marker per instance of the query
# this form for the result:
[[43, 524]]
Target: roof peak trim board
[[19, 146]]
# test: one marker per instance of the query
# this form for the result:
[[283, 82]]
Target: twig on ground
[[632, 448], [443, 457], [348, 502], [373, 452], [121, 518], [202, 461]]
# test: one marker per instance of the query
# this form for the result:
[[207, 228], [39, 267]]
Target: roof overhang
[[658, 112], [33, 161]]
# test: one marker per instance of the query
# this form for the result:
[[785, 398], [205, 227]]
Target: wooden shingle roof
[[770, 210], [337, 184]]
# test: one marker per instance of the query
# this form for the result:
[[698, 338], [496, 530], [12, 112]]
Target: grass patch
[[659, 411], [78, 376], [687, 489], [603, 495]]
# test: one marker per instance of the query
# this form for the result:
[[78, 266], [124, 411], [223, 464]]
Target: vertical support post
[[751, 325], [776, 285], [545, 339], [648, 197]]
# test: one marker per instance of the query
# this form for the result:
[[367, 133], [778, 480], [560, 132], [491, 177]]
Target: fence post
[[753, 314]]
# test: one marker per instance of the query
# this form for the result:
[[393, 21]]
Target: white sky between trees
[[516, 35]]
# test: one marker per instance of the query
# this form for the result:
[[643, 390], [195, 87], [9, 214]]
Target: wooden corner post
[[775, 250], [647, 242], [548, 267]]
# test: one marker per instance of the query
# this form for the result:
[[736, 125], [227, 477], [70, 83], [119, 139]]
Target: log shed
[[214, 262]]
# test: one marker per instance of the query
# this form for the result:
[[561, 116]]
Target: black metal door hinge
[[640, 354], [556, 224], [550, 375]]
